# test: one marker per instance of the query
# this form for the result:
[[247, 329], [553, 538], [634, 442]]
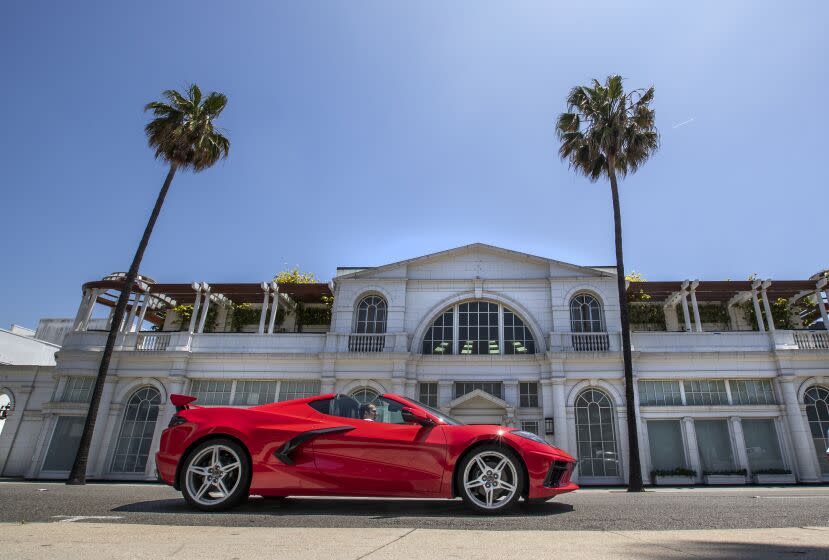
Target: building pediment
[[477, 260], [479, 399]]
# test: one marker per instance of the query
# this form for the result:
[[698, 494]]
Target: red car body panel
[[363, 459]]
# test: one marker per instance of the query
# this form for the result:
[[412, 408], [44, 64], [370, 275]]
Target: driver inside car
[[369, 412]]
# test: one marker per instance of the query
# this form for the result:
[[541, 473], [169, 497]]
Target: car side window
[[322, 405], [388, 411]]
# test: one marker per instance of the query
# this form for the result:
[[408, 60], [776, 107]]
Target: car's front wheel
[[490, 479], [216, 475]]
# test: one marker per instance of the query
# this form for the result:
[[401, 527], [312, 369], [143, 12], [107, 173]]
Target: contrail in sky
[[684, 123]]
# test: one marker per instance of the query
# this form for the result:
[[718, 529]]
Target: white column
[[685, 313], [132, 314], [511, 393], [739, 443], [444, 395], [264, 309], [644, 448], [804, 450], [693, 449], [560, 415], [822, 306], [102, 437], [93, 299], [694, 305], [757, 312], [85, 301], [146, 304], [196, 307], [205, 307], [769, 318], [547, 409], [274, 306]]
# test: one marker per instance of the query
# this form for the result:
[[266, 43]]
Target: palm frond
[[603, 124], [183, 132]]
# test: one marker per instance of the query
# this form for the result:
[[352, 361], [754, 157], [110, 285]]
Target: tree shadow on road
[[360, 508]]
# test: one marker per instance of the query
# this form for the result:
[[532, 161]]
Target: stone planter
[[673, 480], [724, 479], [774, 479]]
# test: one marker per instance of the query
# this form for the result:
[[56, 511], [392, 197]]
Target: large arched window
[[137, 429], [816, 400], [365, 394], [371, 315], [478, 327], [596, 435], [586, 314]]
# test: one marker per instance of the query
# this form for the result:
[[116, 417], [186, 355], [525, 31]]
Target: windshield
[[448, 420]]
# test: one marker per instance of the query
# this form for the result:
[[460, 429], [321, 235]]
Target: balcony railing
[[359, 342], [812, 340], [152, 342], [584, 342]]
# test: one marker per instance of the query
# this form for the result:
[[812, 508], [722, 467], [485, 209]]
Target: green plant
[[185, 312], [708, 313], [782, 312], [295, 276], [647, 314], [679, 471], [773, 471], [726, 472]]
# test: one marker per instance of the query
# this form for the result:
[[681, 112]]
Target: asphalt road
[[589, 509]]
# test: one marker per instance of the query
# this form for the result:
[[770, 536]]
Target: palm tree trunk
[[78, 473], [634, 468]]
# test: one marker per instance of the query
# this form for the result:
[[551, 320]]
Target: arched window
[[816, 400], [365, 394], [596, 435], [478, 327], [137, 431], [5, 409], [586, 314], [371, 315]]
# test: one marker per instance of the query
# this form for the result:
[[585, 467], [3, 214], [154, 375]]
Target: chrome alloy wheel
[[213, 475], [490, 480]]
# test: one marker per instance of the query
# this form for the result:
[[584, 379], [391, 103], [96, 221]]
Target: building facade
[[486, 334]]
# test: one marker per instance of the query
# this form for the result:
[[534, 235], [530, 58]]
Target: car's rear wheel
[[216, 475], [490, 479]]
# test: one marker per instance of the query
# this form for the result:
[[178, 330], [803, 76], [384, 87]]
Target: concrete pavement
[[81, 541]]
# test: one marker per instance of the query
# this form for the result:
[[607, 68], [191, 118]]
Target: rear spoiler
[[181, 402]]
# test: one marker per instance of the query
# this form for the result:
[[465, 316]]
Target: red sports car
[[332, 445]]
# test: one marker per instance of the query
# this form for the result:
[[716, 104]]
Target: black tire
[[239, 478], [489, 480]]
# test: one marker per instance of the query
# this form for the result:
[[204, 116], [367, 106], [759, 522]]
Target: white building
[[487, 334]]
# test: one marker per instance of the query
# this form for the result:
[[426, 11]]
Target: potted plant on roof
[[679, 476], [773, 476], [725, 477]]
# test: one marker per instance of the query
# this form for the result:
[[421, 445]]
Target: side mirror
[[416, 416]]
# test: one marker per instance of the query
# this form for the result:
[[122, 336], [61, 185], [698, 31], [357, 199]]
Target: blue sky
[[368, 132]]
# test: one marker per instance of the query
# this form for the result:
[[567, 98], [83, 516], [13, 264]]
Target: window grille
[[705, 392], [659, 393], [752, 391], [428, 393], [528, 395], [78, 389]]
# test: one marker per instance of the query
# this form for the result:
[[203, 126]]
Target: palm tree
[[604, 133], [183, 135]]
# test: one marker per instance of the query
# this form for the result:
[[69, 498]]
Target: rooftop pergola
[[149, 298], [730, 292]]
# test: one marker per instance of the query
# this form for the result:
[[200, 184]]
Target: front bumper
[[549, 475]]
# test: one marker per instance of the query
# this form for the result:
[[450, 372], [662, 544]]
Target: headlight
[[531, 436]]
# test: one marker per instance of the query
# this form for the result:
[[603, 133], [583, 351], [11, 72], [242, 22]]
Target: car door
[[382, 457]]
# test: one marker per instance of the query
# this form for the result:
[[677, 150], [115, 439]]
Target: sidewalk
[[81, 541]]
